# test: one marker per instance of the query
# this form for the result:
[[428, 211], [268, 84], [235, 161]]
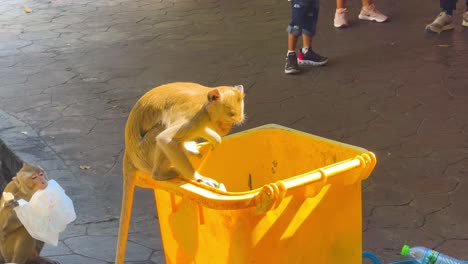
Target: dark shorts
[[450, 4], [304, 17]]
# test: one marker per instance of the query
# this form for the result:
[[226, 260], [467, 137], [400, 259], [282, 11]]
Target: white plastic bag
[[47, 213]]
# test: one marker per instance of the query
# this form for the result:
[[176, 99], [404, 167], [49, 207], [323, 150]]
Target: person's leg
[[465, 15], [306, 54], [340, 19], [340, 4], [448, 6], [366, 3], [292, 42], [444, 20], [294, 31]]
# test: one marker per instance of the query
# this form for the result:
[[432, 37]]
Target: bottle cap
[[405, 250]]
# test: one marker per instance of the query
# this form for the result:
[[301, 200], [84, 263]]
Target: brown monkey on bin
[[16, 244], [161, 131]]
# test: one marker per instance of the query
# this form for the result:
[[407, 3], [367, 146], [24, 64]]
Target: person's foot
[[371, 13], [311, 58], [341, 19], [291, 66], [441, 23], [465, 19]]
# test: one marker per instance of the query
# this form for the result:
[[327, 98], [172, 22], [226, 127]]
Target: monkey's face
[[228, 109], [31, 179], [39, 180]]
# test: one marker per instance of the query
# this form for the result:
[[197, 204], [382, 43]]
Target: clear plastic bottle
[[422, 255]]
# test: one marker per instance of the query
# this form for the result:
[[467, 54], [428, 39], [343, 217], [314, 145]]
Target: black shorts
[[304, 17]]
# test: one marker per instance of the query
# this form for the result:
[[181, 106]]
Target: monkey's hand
[[11, 204], [192, 148], [212, 137]]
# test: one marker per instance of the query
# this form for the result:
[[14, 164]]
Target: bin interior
[[269, 154]]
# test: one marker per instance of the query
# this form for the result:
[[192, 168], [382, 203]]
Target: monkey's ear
[[239, 87], [213, 95]]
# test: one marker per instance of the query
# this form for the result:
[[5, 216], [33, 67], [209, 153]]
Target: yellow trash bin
[[292, 198]]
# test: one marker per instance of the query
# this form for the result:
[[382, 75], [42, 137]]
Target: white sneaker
[[441, 23], [371, 13], [465, 19], [341, 20]]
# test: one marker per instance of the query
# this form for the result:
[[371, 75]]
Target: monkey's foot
[[166, 175]]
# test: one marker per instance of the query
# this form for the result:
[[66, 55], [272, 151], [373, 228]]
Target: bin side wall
[[325, 229]]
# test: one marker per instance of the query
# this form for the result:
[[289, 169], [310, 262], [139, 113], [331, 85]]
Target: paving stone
[[431, 203], [454, 248], [51, 78], [103, 248], [60, 249], [150, 240], [386, 195], [396, 217], [38, 35], [69, 127], [158, 257], [73, 230], [76, 259]]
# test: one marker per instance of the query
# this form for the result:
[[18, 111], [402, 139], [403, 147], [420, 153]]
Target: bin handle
[[265, 199]]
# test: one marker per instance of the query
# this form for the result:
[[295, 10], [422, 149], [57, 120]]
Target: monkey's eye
[[41, 174], [34, 177]]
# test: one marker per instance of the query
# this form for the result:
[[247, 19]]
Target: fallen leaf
[[24, 132], [27, 9], [444, 45], [85, 167]]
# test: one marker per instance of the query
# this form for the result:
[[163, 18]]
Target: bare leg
[[292, 42], [366, 3], [306, 41], [342, 3]]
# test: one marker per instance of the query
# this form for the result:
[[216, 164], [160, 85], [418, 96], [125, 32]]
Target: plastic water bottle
[[422, 255]]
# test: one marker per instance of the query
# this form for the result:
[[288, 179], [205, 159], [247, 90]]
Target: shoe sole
[[371, 18], [341, 26], [293, 71], [444, 28], [465, 23], [313, 63]]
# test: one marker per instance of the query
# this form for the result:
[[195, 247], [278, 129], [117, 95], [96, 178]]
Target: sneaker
[[291, 66], [311, 58], [340, 18], [371, 13], [465, 19], [441, 23]]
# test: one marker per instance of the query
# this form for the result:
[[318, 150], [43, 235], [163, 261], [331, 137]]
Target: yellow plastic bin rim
[[268, 196]]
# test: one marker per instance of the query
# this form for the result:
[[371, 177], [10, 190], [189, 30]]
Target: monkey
[[161, 132], [163, 125], [16, 244]]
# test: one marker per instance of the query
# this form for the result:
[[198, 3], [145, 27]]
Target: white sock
[[289, 51], [304, 50]]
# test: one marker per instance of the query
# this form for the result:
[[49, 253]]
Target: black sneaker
[[311, 58], [291, 66]]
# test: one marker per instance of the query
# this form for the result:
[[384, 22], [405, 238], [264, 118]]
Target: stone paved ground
[[70, 72]]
